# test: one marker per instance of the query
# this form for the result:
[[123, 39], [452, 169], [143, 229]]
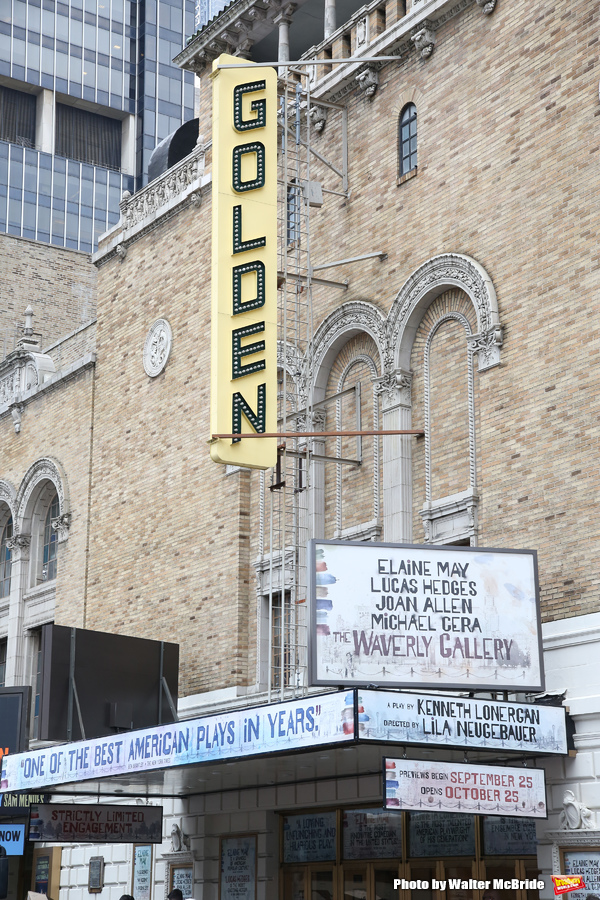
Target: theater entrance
[[435, 856]]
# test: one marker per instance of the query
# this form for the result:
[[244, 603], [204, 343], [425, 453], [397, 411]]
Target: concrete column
[[15, 650], [128, 129], [395, 389], [330, 25], [44, 125], [283, 47]]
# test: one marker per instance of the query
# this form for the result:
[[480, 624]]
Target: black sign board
[[14, 715], [17, 803]]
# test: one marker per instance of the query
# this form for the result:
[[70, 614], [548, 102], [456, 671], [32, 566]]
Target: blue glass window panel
[[103, 22], [87, 196], [33, 57], [90, 12], [175, 92], [19, 34], [117, 10], [101, 176], [18, 53], [14, 213], [5, 46], [47, 61], [87, 173], [73, 189], [29, 216], [86, 225], [62, 85], [72, 209], [43, 200], [76, 33], [14, 229], [48, 22], [75, 70], [34, 18], [48, 42], [89, 73], [62, 28], [76, 5], [89, 37], [33, 37], [43, 218], [102, 82], [151, 11], [103, 42], [76, 52], [100, 196], [62, 46], [33, 76], [62, 68], [58, 224], [47, 81], [45, 160], [19, 13], [5, 27], [89, 55], [128, 183], [116, 83]]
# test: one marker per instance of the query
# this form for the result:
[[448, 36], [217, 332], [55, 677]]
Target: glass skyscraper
[[87, 90]]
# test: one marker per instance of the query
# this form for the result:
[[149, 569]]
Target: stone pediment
[[22, 371]]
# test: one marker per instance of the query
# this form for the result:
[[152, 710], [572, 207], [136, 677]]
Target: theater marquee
[[244, 263], [418, 616]]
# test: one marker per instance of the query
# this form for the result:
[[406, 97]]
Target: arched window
[[407, 139], [50, 542], [5, 559]]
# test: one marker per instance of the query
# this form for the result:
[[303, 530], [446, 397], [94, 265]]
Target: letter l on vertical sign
[[244, 263]]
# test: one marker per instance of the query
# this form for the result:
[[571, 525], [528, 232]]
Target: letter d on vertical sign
[[244, 264]]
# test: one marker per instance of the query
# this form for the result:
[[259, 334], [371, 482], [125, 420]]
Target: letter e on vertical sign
[[244, 264]]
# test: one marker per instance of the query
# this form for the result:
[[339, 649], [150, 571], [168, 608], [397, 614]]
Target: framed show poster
[[237, 880], [585, 863], [45, 871], [141, 879], [182, 877]]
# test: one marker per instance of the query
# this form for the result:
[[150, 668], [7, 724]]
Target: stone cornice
[[147, 209], [57, 378]]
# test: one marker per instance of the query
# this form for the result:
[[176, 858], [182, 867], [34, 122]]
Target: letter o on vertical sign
[[244, 264]]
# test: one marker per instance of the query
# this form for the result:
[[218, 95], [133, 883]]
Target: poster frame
[[246, 834], [133, 865], [315, 681], [582, 849], [176, 866]]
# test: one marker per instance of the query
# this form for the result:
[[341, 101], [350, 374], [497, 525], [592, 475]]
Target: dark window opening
[[407, 144], [17, 117], [88, 137]]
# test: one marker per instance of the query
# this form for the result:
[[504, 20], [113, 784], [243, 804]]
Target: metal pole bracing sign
[[411, 718], [244, 263], [417, 616], [464, 788]]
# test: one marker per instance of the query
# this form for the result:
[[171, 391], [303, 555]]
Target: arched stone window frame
[[428, 281], [41, 481], [452, 518], [7, 512]]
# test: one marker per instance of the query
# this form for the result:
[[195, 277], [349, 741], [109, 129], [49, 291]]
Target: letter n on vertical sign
[[244, 264]]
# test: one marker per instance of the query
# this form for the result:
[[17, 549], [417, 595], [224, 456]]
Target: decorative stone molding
[[157, 348], [311, 421], [121, 250], [19, 546], [560, 839], [450, 518], [347, 320], [179, 859], [179, 840], [423, 37], [21, 371], [362, 32], [487, 345], [16, 411], [368, 80], [367, 531], [8, 495], [162, 191], [394, 388], [45, 469], [486, 6], [61, 525], [575, 815], [424, 285], [318, 115]]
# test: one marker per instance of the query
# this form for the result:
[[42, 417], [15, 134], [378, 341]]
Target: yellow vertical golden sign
[[244, 263]]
